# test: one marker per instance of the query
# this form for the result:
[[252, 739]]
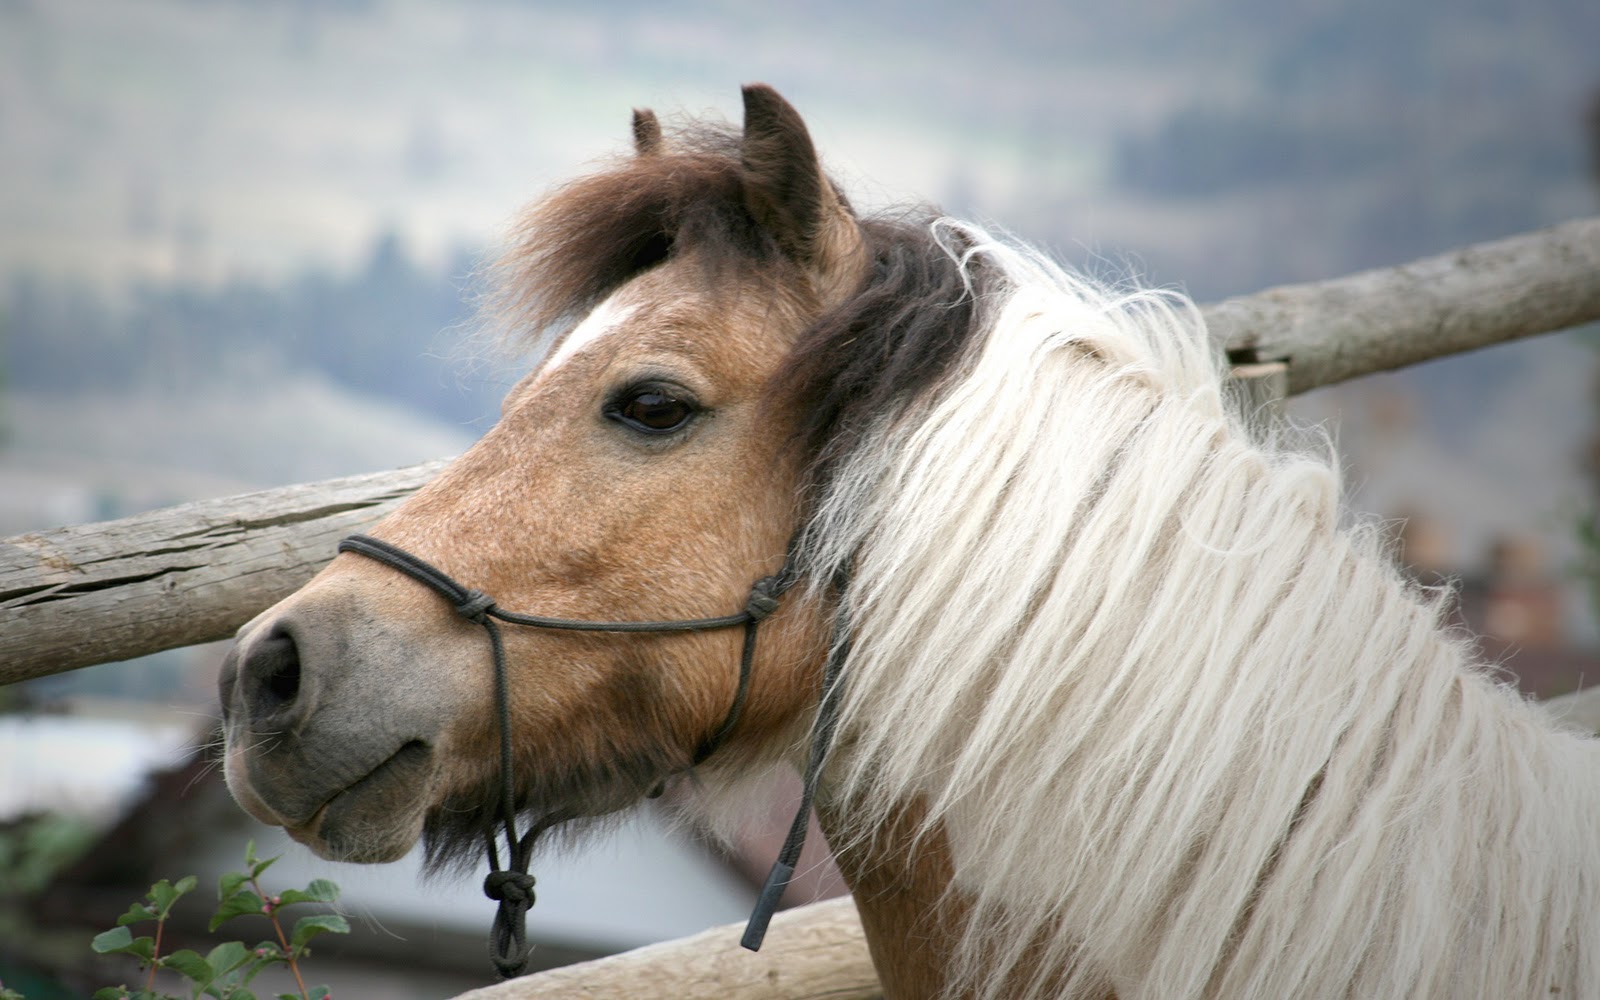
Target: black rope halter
[[512, 886]]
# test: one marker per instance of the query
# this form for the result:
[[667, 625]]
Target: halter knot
[[474, 606], [509, 887], [763, 598]]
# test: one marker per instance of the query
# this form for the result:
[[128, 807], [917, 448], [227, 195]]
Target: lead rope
[[512, 887], [822, 730]]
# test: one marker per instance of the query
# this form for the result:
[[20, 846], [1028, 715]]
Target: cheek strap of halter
[[512, 887]]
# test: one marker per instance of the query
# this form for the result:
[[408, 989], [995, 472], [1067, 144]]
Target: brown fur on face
[[625, 527]]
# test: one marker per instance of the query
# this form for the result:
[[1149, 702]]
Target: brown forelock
[[593, 234]]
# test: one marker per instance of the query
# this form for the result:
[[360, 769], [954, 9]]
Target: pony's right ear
[[646, 132], [789, 196]]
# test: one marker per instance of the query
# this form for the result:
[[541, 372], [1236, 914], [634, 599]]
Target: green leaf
[[230, 883], [320, 890], [324, 890], [190, 964], [253, 863], [163, 894], [120, 941], [111, 941], [136, 913], [307, 928], [319, 993], [107, 993], [237, 905], [227, 957]]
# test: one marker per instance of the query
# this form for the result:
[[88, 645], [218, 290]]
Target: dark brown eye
[[652, 409]]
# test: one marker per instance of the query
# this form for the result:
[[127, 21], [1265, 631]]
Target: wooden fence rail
[[815, 952], [91, 593], [87, 594], [1488, 293]]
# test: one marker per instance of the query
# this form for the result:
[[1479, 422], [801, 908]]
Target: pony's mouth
[[377, 818]]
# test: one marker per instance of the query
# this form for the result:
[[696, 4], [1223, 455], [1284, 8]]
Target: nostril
[[283, 681], [272, 672]]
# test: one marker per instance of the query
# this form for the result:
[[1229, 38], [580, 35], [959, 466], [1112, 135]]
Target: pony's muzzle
[[323, 735]]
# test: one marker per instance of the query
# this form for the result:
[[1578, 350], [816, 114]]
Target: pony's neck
[[901, 882], [901, 896]]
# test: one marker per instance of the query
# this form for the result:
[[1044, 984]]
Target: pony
[[1124, 703]]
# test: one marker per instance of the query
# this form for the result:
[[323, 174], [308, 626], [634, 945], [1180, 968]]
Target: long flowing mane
[[1179, 719]]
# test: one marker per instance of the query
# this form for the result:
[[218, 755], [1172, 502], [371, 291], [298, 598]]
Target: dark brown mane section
[[595, 233], [899, 335]]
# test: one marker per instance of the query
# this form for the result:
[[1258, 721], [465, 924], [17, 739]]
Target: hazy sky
[[165, 137], [154, 138]]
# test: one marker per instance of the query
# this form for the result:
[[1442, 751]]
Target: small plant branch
[[225, 973], [269, 906], [155, 956]]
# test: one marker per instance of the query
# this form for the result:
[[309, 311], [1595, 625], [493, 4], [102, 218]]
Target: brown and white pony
[[1130, 707]]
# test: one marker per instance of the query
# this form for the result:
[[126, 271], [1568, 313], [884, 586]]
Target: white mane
[[1174, 716]]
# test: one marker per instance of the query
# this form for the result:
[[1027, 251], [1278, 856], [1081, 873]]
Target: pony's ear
[[790, 197], [646, 132]]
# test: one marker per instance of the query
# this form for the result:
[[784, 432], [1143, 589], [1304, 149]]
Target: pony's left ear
[[790, 197]]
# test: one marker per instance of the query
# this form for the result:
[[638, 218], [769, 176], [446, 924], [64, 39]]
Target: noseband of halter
[[512, 887]]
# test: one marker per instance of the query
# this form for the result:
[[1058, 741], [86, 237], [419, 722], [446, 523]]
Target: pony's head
[[703, 306]]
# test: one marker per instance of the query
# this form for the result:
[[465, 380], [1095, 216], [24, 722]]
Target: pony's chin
[[360, 845], [376, 820], [361, 833]]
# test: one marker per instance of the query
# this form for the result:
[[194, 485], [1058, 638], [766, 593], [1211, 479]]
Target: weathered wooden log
[[92, 593], [814, 952], [1330, 331]]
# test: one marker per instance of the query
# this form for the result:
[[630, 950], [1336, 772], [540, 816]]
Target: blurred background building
[[239, 244]]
